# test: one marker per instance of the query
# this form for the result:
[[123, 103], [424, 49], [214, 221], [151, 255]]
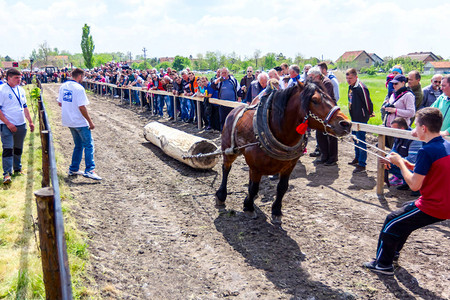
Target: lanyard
[[18, 92]]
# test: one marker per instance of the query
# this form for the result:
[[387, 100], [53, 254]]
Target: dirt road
[[155, 233]]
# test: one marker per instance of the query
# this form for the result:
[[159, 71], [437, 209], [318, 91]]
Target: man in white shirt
[[13, 112], [73, 100]]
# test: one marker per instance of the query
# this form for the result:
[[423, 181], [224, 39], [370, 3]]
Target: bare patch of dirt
[[155, 233]]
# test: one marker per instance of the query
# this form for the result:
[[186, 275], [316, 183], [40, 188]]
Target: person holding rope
[[73, 100], [431, 176], [13, 129]]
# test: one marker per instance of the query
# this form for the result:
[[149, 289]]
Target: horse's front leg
[[253, 188], [221, 194], [282, 187]]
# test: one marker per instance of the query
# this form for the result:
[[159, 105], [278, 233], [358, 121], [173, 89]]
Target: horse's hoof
[[219, 203], [276, 220], [251, 214]]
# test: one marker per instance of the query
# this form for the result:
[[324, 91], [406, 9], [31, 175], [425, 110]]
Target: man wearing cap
[[13, 112], [432, 91], [443, 103]]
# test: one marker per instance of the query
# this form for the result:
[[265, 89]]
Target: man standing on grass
[[360, 108], [73, 100], [431, 177], [13, 112]]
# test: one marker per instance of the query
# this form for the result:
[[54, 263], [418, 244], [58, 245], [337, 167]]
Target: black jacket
[[360, 105]]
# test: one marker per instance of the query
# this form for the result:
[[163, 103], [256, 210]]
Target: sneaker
[[354, 162], [403, 187], [316, 153], [415, 193], [19, 173], [92, 175], [6, 179], [376, 268], [330, 163], [75, 173], [395, 181], [359, 169], [274, 177]]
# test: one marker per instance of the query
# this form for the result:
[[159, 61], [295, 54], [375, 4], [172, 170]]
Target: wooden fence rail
[[380, 130], [55, 265]]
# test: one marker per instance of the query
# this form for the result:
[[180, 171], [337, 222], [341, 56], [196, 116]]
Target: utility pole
[[145, 57], [129, 54]]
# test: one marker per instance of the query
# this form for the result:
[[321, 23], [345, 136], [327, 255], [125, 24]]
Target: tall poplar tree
[[87, 47]]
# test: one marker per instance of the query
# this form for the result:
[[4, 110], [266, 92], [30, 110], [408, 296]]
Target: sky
[[313, 28]]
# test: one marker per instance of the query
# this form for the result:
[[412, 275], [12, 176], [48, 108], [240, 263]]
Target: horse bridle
[[330, 115]]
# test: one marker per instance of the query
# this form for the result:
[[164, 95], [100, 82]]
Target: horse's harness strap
[[269, 143], [232, 149]]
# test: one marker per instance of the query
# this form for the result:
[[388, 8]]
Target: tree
[[87, 47], [211, 59], [44, 51], [7, 58], [270, 61], [180, 63]]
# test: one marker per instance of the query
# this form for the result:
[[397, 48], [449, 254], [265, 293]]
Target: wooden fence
[[380, 130], [52, 240]]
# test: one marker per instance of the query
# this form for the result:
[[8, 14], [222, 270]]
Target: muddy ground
[[155, 233]]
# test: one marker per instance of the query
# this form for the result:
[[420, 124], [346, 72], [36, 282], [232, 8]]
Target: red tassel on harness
[[301, 129]]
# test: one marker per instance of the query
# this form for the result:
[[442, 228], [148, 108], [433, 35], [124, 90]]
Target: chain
[[218, 151]]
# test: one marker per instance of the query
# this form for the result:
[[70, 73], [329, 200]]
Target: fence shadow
[[269, 249]]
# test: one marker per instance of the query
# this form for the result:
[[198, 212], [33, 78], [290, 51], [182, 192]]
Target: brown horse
[[288, 109]]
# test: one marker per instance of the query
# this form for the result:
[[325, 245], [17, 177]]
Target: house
[[437, 67], [355, 59], [378, 60], [423, 56], [168, 59], [7, 65]]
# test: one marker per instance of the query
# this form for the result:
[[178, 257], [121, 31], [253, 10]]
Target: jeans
[[12, 148], [169, 104], [360, 154], [184, 108], [160, 104], [82, 139]]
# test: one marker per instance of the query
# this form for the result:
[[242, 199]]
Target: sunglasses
[[249, 71], [436, 81], [396, 83]]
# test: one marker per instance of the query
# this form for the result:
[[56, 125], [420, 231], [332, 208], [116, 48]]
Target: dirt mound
[[155, 233]]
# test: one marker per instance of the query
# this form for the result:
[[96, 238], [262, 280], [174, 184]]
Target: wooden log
[[177, 144]]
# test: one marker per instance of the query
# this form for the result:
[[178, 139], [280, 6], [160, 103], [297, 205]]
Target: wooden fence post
[[45, 156], [380, 167], [47, 240], [199, 115]]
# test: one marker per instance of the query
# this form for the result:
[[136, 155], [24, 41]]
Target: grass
[[20, 262]]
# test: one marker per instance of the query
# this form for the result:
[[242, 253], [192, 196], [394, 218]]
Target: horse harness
[[264, 136]]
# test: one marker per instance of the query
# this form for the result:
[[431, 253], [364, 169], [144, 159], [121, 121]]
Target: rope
[[218, 151]]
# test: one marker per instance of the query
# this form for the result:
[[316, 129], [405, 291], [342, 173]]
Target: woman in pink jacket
[[400, 104]]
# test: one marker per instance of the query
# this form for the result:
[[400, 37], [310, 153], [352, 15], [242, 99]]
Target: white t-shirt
[[72, 96], [12, 103]]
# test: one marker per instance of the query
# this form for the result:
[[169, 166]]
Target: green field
[[376, 86]]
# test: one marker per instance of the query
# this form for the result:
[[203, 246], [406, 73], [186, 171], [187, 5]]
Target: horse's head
[[322, 113]]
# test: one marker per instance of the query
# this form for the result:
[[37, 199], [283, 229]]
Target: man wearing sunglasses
[[245, 83], [443, 103], [432, 92]]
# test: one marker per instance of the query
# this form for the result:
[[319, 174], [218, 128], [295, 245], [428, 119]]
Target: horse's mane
[[282, 97]]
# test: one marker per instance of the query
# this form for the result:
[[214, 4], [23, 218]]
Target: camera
[[386, 105]]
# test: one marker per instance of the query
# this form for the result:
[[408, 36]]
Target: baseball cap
[[399, 78]]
